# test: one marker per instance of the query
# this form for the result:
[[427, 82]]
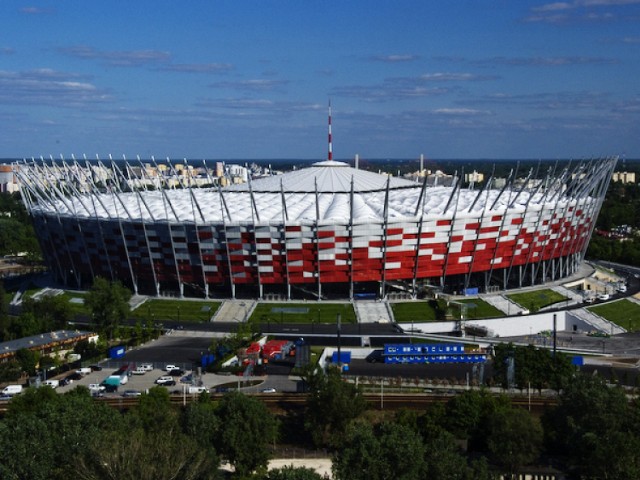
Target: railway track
[[281, 402]]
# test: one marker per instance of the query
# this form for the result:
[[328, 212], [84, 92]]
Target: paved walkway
[[597, 322], [372, 311], [235, 311], [503, 304]]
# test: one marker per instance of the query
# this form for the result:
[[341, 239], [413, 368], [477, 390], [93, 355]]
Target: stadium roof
[[328, 176], [320, 193]]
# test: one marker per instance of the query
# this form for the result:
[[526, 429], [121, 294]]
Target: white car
[[96, 387], [622, 288], [51, 383], [193, 389], [169, 368], [604, 296], [146, 366], [165, 380], [139, 371]]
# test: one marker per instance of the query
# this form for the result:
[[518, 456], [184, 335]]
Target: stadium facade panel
[[327, 230]]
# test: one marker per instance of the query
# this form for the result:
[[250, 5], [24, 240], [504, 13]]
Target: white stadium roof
[[329, 182], [328, 176]]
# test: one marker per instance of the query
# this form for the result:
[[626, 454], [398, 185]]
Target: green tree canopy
[[467, 415], [596, 428], [134, 454], [332, 405], [154, 412], [247, 429], [537, 367], [49, 431], [389, 451], [109, 304], [514, 438]]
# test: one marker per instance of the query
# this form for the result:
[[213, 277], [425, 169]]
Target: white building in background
[[8, 182], [624, 177]]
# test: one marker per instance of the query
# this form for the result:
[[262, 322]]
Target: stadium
[[326, 231]]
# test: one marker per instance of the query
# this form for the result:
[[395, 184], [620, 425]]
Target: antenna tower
[[330, 156]]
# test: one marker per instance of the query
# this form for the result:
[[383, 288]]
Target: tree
[[200, 421], [468, 414], [109, 304], [4, 313], [595, 428], [50, 430], [388, 451], [534, 366], [247, 429], [27, 450], [133, 454], [514, 438], [10, 371], [333, 404], [52, 311], [28, 360], [154, 412]]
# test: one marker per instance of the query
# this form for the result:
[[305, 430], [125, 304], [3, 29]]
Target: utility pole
[[338, 334]]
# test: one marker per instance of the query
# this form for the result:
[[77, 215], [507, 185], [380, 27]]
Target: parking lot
[[183, 352], [141, 383]]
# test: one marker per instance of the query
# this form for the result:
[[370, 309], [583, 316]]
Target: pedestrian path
[[597, 322], [372, 311], [234, 311], [503, 304]]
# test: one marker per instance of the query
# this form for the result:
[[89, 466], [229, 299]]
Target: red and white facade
[[327, 230]]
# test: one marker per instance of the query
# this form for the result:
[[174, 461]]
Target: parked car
[[131, 393], [139, 371], [187, 378], [176, 373], [604, 296], [64, 381], [146, 366], [268, 390], [169, 368], [96, 387], [95, 368], [74, 376], [166, 380], [622, 288], [51, 383], [194, 389]]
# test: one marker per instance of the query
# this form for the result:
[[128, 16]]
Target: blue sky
[[252, 79]]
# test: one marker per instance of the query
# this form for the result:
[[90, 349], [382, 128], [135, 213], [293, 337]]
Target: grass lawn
[[311, 312], [537, 299], [176, 310], [478, 308], [622, 312], [407, 312], [76, 302]]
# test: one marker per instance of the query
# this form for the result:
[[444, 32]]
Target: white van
[[12, 390], [51, 383]]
